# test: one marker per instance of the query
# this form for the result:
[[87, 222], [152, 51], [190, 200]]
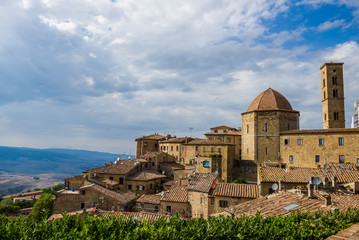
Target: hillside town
[[268, 165]]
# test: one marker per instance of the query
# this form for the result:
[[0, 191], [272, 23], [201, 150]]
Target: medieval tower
[[333, 95]]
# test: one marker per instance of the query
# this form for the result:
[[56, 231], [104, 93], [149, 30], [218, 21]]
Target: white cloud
[[63, 26], [328, 25]]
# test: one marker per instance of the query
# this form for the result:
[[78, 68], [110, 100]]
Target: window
[[182, 148], [224, 131], [140, 187], [341, 141], [82, 205], [336, 116], [156, 145], [335, 93], [161, 148], [121, 181], [321, 141], [202, 200], [247, 150], [204, 149], [151, 186], [129, 187], [324, 95], [111, 178], [288, 126], [83, 192], [325, 117], [67, 185], [317, 159], [357, 160], [201, 215], [247, 128], [153, 164], [286, 141], [323, 82], [212, 149], [171, 148], [266, 151], [300, 141], [334, 70], [196, 148], [335, 80], [341, 158], [177, 148], [215, 131], [156, 208], [145, 144], [219, 150], [205, 163], [266, 127], [291, 158], [223, 204], [168, 209]]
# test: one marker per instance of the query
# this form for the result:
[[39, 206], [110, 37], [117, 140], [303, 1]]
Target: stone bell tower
[[333, 95]]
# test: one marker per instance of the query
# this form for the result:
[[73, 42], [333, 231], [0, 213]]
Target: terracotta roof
[[175, 194], [346, 234], [151, 137], [122, 196], [177, 140], [145, 175], [120, 167], [315, 131], [202, 182], [222, 127], [150, 198], [237, 190], [345, 172], [208, 142], [150, 155], [270, 100], [173, 165], [140, 216], [23, 194], [229, 132], [104, 181], [272, 205], [172, 182]]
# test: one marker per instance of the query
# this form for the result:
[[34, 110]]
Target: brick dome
[[270, 100]]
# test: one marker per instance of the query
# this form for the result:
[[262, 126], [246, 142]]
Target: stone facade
[[333, 95], [148, 144], [311, 148], [260, 133]]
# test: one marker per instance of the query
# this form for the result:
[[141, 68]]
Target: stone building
[[175, 147], [148, 144], [228, 135], [314, 148], [149, 203], [230, 194], [94, 195], [269, 114], [174, 201]]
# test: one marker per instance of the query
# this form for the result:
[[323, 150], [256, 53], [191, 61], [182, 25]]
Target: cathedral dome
[[270, 100]]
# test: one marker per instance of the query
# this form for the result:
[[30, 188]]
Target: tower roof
[[270, 100]]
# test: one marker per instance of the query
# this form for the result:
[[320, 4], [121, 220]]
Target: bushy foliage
[[53, 189], [42, 208], [9, 209], [300, 225], [239, 181]]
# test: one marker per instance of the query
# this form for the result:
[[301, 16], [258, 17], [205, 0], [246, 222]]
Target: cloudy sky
[[96, 74]]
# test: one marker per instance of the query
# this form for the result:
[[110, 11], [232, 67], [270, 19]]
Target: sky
[[97, 74]]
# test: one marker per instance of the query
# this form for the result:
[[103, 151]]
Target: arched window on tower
[[323, 82], [335, 80], [335, 93], [324, 95]]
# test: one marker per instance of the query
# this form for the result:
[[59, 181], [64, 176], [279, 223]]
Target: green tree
[[43, 207], [7, 201]]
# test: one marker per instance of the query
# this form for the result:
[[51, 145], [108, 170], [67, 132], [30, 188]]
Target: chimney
[[280, 185], [310, 190], [327, 200], [184, 182], [287, 169], [334, 181], [326, 183]]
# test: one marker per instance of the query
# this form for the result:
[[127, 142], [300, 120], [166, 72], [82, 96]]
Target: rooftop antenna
[[190, 129], [326, 166]]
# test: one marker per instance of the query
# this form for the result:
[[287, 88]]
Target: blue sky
[[98, 74]]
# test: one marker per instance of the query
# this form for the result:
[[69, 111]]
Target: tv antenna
[[190, 129]]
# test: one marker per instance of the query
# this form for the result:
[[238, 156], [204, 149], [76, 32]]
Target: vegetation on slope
[[300, 225]]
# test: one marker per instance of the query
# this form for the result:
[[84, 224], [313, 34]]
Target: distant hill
[[57, 162]]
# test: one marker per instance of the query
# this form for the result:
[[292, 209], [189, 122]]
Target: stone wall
[[304, 155]]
